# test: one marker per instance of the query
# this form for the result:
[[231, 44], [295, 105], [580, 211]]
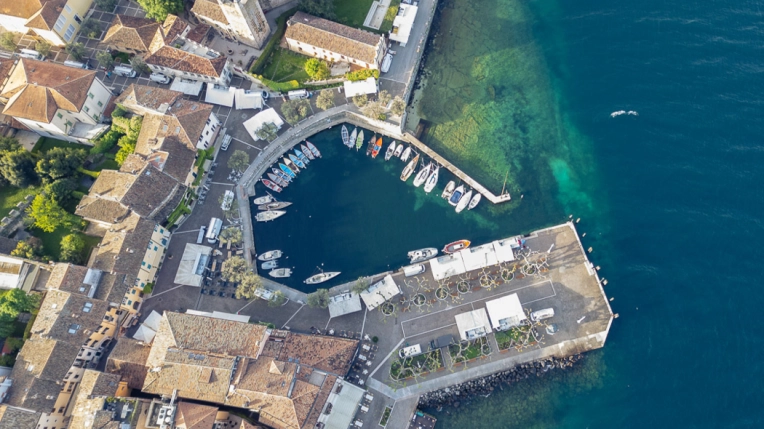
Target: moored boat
[[353, 137], [280, 272], [432, 180], [278, 180], [274, 205], [456, 246], [269, 215], [313, 149], [345, 136], [307, 152], [270, 255], [464, 201], [456, 196], [291, 165], [370, 146], [270, 264], [377, 147], [281, 174], [422, 254], [449, 190], [422, 175], [321, 277], [270, 185], [390, 150], [288, 171], [406, 154], [359, 141], [474, 201], [410, 167], [264, 200], [398, 150], [301, 156], [296, 161]]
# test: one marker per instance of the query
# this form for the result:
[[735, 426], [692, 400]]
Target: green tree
[[104, 59], [61, 190], [140, 65], [9, 144], [250, 284], [317, 69], [30, 248], [234, 269], [360, 285], [398, 106], [90, 28], [125, 150], [7, 42], [42, 46], [232, 234], [47, 215], [158, 9], [360, 100], [127, 142], [384, 97], [321, 8], [319, 298], [325, 99], [18, 168], [14, 344], [106, 5], [374, 110], [60, 163], [76, 51], [277, 299], [8, 360], [269, 131], [6, 329], [72, 246], [295, 110], [16, 301], [239, 160]]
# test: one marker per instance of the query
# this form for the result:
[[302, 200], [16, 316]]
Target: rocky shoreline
[[455, 395]]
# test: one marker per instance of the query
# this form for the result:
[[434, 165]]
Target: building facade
[[57, 21], [240, 20]]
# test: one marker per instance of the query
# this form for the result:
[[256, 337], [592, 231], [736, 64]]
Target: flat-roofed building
[[473, 324], [505, 312]]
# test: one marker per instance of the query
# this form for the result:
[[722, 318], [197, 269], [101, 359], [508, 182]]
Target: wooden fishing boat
[[296, 161], [398, 150], [288, 171], [390, 150], [313, 149], [464, 201], [456, 246], [270, 255], [307, 152], [359, 141], [270, 185], [278, 180], [410, 167], [449, 190], [301, 156], [370, 146], [474, 201], [291, 165], [345, 136], [377, 147], [281, 174]]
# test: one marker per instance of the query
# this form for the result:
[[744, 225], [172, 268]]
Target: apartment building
[[56, 21], [240, 20]]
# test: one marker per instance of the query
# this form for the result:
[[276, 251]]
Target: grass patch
[[392, 12], [10, 196], [259, 65], [46, 143], [286, 65], [289, 85], [106, 164], [352, 12], [51, 242], [123, 57], [408, 367]]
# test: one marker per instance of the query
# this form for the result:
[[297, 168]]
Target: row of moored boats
[[431, 252], [279, 178], [270, 208], [270, 261]]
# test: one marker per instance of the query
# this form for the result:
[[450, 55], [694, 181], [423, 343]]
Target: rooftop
[[68, 317], [132, 32], [189, 58], [40, 366], [147, 97], [128, 359], [209, 9], [334, 37], [124, 246], [17, 418]]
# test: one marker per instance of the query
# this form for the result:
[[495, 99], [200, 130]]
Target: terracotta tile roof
[[198, 33], [128, 360], [323, 395], [177, 59], [209, 9], [6, 65], [97, 383], [159, 144], [132, 32], [138, 97], [17, 418], [37, 89], [47, 16], [334, 37], [194, 416], [124, 246], [62, 312], [21, 9], [205, 379], [328, 354], [172, 27], [133, 163], [93, 207], [70, 278], [191, 117]]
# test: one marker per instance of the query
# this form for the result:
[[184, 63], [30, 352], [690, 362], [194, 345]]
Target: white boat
[[353, 137], [406, 153], [270, 264], [432, 180], [456, 195], [422, 254], [449, 190], [276, 205], [321, 277], [390, 150], [463, 201], [280, 272], [410, 167], [474, 201], [263, 200], [269, 215], [398, 151], [422, 175], [345, 136], [386, 62], [270, 255]]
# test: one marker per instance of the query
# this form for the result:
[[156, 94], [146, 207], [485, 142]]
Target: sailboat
[[463, 201], [390, 150], [359, 141], [410, 167], [291, 165], [297, 162], [449, 190], [269, 215], [321, 277], [313, 149], [432, 180], [287, 170], [474, 201], [398, 150], [345, 136], [276, 205], [406, 154], [377, 147], [353, 136], [422, 175], [456, 196], [307, 152], [301, 156]]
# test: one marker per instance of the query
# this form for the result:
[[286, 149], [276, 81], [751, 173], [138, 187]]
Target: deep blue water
[[675, 214]]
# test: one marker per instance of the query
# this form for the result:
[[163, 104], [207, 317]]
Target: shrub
[[362, 74], [76, 51], [91, 28], [148, 288], [7, 42], [106, 142], [317, 69], [43, 47]]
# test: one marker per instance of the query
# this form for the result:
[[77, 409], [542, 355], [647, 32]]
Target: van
[[414, 270], [159, 78], [213, 230], [202, 233], [410, 351], [298, 94], [31, 54], [125, 71], [542, 314], [77, 64]]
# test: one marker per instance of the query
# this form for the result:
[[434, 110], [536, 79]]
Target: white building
[[380, 292], [241, 20], [56, 101], [403, 23], [505, 312], [56, 21], [256, 122], [190, 60], [361, 87], [473, 324]]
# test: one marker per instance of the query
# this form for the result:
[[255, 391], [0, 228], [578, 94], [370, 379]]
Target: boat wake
[[623, 112]]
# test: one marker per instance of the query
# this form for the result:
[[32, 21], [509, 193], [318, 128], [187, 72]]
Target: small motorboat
[[449, 190], [278, 180], [321, 277], [464, 201], [359, 141], [264, 200], [313, 149], [291, 165], [301, 156], [390, 151], [270, 264], [269, 215], [456, 246], [398, 150], [422, 254], [406, 154], [370, 146], [432, 180], [288, 171], [296, 161], [270, 255], [410, 167], [307, 152], [456, 196], [281, 174], [280, 273], [270, 185], [353, 136], [276, 205], [345, 136], [422, 175], [377, 147], [474, 201]]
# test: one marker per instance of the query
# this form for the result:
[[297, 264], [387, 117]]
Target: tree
[[138, 64], [90, 28], [106, 5], [61, 190], [325, 99], [321, 8], [319, 298], [30, 248], [317, 69], [374, 110], [360, 100], [269, 132], [125, 150], [9, 144], [43, 47], [16, 301], [239, 160], [398, 106], [250, 284], [76, 51], [48, 215], [232, 234], [127, 142], [360, 285], [72, 246], [18, 168], [384, 97], [104, 59], [295, 110], [233, 269], [14, 344], [60, 163], [158, 9], [277, 299], [7, 42]]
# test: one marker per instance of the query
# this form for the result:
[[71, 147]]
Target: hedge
[[362, 74], [93, 174], [259, 65], [106, 142], [289, 85]]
